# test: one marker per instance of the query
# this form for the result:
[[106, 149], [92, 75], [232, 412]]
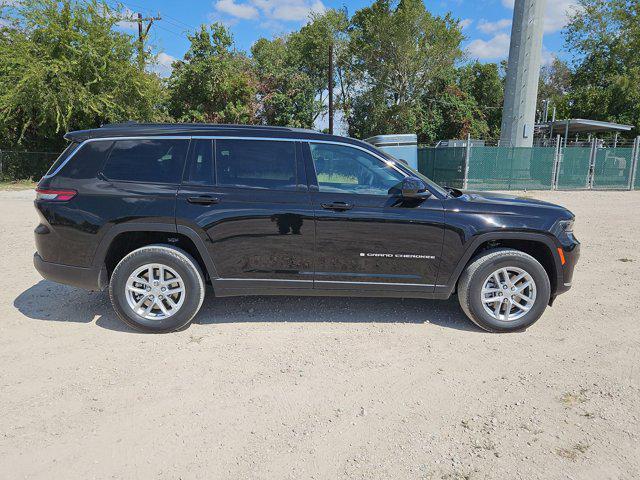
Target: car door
[[248, 200], [367, 236]]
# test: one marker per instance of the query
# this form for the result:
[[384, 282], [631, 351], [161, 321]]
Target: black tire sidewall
[[184, 266], [543, 291]]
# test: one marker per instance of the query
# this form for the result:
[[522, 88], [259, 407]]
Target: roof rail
[[224, 126]]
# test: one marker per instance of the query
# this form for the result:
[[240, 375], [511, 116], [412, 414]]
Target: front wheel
[[504, 290], [157, 288]]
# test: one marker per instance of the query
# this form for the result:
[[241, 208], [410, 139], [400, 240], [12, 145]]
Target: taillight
[[55, 195]]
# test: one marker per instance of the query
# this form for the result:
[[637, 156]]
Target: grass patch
[[570, 399], [337, 178], [17, 185], [574, 452]]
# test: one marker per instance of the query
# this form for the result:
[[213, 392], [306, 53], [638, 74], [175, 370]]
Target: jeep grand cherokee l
[[155, 212]]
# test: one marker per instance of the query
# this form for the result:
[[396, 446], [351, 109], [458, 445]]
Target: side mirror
[[413, 187]]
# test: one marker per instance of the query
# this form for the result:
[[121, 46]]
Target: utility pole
[[143, 32], [523, 72], [331, 88]]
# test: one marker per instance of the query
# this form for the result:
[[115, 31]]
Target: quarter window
[[86, 161], [264, 164], [349, 170], [63, 156], [153, 161]]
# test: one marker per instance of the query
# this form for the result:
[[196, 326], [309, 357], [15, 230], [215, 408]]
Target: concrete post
[[467, 157], [523, 72], [592, 163], [635, 158], [556, 165]]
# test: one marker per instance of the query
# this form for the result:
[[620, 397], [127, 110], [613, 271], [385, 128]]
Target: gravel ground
[[292, 388]]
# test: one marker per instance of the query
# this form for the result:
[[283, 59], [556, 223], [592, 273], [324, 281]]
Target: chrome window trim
[[78, 147], [224, 137], [111, 139], [306, 140]]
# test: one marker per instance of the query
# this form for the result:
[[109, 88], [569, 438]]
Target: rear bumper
[[87, 278]]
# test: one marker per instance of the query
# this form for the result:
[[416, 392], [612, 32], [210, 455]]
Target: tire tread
[[468, 276]]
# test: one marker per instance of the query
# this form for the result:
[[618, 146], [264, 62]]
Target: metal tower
[[523, 72]]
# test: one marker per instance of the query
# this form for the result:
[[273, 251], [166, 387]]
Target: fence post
[[467, 157], [1, 165], [592, 163], [634, 162], [556, 165]]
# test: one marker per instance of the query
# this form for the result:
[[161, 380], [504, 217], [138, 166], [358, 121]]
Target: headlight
[[566, 225]]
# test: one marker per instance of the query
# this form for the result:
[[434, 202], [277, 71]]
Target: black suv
[[155, 212]]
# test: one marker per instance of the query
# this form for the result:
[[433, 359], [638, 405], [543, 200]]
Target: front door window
[[342, 169]]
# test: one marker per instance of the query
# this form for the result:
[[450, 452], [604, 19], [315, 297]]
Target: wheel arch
[[123, 239], [539, 246]]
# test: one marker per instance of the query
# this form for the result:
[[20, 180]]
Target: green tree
[[213, 82], [455, 114], [604, 37], [554, 87], [310, 50], [286, 94], [64, 67], [483, 82], [398, 52]]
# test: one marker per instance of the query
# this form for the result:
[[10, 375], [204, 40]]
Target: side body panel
[[469, 224], [255, 237], [73, 233], [380, 243]]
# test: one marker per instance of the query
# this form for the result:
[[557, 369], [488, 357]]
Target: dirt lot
[[290, 388]]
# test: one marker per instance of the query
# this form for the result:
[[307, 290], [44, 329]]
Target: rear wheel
[[157, 288], [504, 290]]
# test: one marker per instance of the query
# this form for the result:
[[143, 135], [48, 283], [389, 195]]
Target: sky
[[486, 23]]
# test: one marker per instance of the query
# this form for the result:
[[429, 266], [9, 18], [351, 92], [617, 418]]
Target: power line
[[177, 22]]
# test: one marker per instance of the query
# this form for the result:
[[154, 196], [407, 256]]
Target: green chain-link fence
[[573, 169], [504, 168], [24, 165], [612, 168], [444, 165], [537, 168], [489, 168]]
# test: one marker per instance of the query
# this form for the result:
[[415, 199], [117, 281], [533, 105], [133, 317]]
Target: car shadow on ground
[[59, 303]]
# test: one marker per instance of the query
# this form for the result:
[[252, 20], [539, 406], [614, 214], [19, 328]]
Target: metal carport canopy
[[581, 125]]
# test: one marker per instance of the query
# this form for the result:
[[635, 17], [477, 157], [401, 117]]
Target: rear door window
[[146, 161], [200, 167], [263, 164]]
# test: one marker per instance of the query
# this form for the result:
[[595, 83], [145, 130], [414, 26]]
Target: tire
[[131, 283], [480, 271]]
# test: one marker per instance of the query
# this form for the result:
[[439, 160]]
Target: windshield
[[433, 185]]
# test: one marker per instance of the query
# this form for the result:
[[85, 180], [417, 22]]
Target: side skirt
[[232, 288]]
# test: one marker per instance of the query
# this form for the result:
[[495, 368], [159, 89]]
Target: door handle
[[338, 206], [203, 200]]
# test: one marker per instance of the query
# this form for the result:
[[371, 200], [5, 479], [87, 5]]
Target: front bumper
[[87, 278], [565, 278]]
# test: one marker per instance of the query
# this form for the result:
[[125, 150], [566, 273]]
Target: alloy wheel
[[155, 291], [508, 293]]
